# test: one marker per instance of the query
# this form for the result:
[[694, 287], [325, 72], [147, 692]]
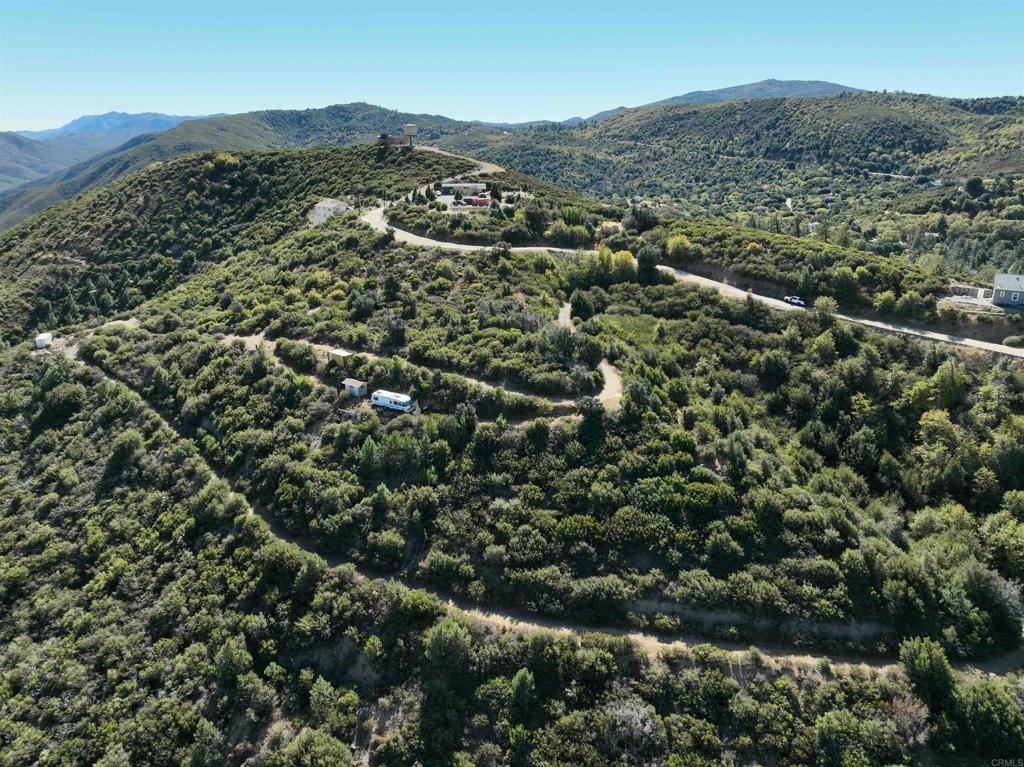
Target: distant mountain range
[[771, 119], [273, 129], [118, 126], [29, 155], [765, 89]]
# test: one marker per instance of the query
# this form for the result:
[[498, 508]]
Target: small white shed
[[328, 207], [43, 340], [355, 387]]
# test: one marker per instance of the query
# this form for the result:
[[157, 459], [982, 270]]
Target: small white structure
[[355, 387], [392, 400], [465, 188], [328, 207], [403, 139], [43, 340], [337, 356]]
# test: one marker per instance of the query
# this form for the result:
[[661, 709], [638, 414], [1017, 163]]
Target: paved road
[[732, 291]]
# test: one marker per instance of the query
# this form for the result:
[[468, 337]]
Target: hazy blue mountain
[[26, 156], [119, 123]]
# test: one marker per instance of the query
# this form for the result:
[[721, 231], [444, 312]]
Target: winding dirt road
[[609, 395], [513, 620], [376, 218], [731, 291], [611, 391]]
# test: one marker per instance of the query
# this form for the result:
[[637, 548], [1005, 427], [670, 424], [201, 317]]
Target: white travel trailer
[[392, 400]]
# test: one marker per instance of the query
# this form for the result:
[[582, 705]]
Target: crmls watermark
[[1012, 762]]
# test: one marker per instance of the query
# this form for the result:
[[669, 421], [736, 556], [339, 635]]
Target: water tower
[[409, 130]]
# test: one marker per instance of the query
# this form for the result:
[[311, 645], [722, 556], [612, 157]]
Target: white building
[[392, 400], [1008, 290], [43, 340], [328, 207], [465, 188], [355, 387]]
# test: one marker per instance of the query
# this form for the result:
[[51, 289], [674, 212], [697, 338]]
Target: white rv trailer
[[391, 400]]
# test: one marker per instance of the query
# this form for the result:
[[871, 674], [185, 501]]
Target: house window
[[1002, 294], [1015, 297]]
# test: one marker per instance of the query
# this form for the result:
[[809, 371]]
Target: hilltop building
[[465, 188], [403, 139], [1008, 290], [328, 207]]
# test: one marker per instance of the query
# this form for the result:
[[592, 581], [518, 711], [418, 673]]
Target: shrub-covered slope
[[147, 232], [272, 129], [767, 476]]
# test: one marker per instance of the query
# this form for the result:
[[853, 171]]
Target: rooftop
[[329, 202], [392, 395], [1010, 282], [353, 382]]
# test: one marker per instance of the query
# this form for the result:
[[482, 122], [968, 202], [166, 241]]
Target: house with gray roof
[[1008, 290]]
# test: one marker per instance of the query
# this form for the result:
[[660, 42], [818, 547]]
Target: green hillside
[[24, 159], [146, 232], [782, 164], [763, 89], [852, 133], [330, 126], [210, 553]]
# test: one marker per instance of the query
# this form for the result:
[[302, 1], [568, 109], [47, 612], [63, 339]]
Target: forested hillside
[[148, 619], [844, 163], [111, 248], [211, 554], [331, 126]]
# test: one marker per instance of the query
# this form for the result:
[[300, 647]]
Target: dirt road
[[519, 621], [611, 391], [732, 291]]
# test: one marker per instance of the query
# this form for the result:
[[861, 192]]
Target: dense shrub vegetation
[[112, 248], [767, 476], [149, 620], [886, 173]]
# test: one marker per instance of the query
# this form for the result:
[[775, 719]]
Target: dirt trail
[[376, 217], [519, 621], [611, 392]]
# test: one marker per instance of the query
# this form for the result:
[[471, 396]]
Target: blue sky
[[476, 59]]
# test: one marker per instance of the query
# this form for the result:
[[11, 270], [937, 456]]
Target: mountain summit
[[122, 123], [763, 89]]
